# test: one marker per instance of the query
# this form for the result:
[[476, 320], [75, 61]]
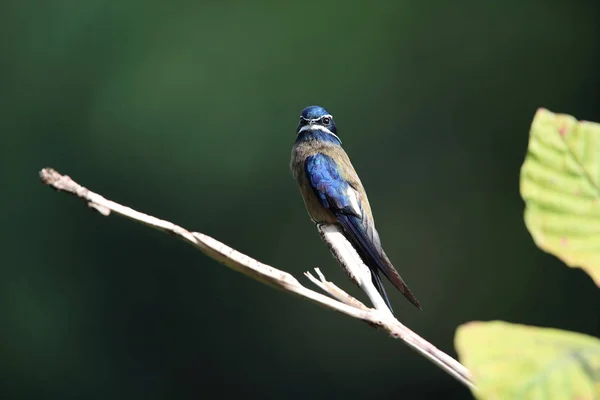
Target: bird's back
[[303, 149]]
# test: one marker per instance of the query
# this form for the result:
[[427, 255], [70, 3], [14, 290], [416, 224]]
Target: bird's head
[[316, 118]]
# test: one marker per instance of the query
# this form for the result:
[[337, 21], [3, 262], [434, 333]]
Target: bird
[[333, 194]]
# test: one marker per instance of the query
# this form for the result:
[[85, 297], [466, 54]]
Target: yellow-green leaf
[[510, 361], [560, 183]]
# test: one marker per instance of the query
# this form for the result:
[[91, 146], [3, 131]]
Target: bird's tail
[[380, 288], [374, 257], [391, 273]]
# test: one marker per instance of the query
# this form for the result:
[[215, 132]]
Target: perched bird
[[333, 194]]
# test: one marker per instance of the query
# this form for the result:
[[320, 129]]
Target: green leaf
[[510, 361], [560, 183]]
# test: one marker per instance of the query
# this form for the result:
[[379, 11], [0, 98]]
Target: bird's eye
[[326, 120], [302, 121]]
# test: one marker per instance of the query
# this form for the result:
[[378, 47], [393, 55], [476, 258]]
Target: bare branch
[[342, 301], [348, 257]]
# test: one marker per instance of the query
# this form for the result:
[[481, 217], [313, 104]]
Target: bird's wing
[[338, 196]]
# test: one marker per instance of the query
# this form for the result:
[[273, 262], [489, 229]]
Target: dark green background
[[186, 110]]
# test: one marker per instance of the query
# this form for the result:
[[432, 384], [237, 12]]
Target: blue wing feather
[[331, 189], [328, 184]]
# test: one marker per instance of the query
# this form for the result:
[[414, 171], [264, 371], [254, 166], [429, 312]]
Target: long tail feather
[[379, 286], [374, 257]]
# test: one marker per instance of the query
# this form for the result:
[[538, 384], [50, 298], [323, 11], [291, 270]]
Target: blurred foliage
[[187, 109], [560, 183], [510, 361], [560, 186]]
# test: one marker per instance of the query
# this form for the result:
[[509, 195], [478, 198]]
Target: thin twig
[[334, 291], [342, 302]]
